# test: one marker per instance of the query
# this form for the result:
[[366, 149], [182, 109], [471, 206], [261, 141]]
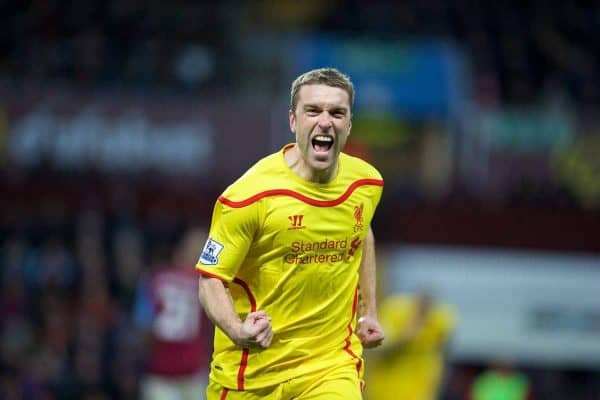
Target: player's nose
[[325, 122]]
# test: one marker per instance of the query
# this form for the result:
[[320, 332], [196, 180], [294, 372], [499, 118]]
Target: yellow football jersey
[[291, 248]]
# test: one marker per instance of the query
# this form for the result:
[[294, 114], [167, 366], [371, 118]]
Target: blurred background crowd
[[122, 121]]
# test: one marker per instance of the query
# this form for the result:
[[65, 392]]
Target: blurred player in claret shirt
[[179, 335]]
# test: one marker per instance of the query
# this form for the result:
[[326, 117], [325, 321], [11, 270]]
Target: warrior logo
[[296, 222]]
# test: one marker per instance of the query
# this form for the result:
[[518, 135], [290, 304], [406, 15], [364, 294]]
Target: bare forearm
[[368, 328], [218, 305], [367, 277], [254, 331]]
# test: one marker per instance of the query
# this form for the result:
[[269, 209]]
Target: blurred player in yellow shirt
[[289, 244], [409, 366]]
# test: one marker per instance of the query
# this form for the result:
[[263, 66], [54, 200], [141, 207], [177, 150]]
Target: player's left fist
[[369, 332]]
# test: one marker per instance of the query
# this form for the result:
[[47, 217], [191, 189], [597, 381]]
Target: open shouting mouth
[[322, 144]]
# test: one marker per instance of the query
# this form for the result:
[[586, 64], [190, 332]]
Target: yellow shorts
[[333, 384]]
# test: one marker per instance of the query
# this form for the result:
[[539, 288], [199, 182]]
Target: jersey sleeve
[[378, 189], [231, 234], [377, 195]]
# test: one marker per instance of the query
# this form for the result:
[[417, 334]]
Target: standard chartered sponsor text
[[315, 250]]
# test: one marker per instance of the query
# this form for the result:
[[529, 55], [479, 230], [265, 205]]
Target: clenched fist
[[255, 331], [369, 332]]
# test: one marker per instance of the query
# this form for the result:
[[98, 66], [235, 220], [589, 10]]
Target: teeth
[[322, 138]]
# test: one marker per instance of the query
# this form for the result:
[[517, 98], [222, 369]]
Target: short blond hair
[[322, 76]]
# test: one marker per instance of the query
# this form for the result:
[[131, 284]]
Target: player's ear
[[292, 118]]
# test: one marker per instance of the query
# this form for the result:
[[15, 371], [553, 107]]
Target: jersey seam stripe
[[224, 394], [348, 341], [245, 350], [210, 275], [309, 200]]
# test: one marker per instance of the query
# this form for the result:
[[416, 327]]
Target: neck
[[294, 160]]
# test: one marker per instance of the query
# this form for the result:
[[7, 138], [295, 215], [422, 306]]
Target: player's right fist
[[255, 331]]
